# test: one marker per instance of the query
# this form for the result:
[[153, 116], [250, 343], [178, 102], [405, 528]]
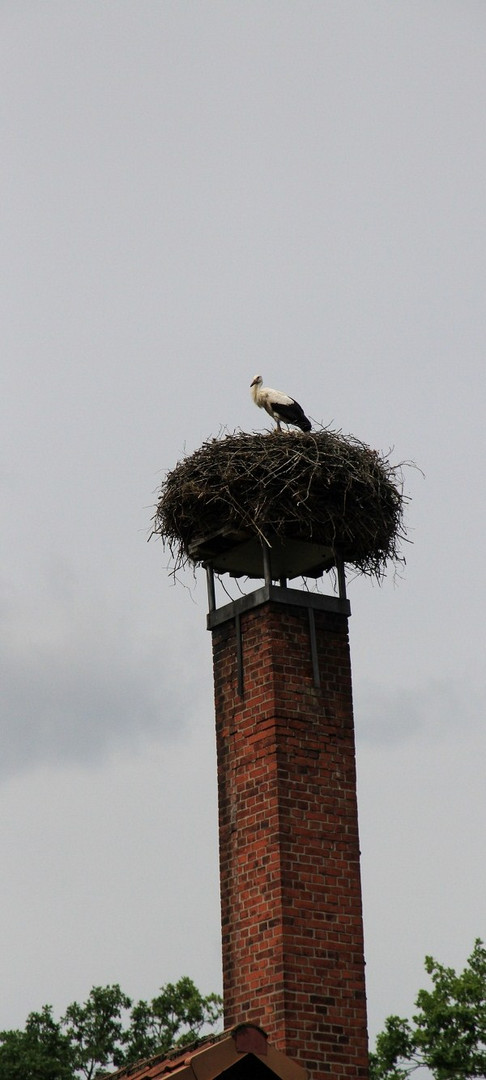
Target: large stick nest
[[320, 487]]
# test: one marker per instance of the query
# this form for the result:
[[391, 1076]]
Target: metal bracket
[[211, 589], [341, 576], [313, 645], [239, 655]]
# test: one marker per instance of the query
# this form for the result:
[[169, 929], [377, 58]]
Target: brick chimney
[[292, 926]]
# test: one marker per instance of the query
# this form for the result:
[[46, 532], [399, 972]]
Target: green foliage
[[41, 1052], [175, 1017], [105, 1033], [448, 1033], [95, 1030]]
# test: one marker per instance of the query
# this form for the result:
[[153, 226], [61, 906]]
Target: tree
[[448, 1033], [106, 1032], [174, 1018], [41, 1052], [95, 1030]]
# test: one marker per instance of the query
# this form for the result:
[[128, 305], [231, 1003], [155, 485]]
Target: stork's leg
[[278, 425]]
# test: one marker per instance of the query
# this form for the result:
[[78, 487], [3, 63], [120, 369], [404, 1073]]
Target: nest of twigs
[[320, 487]]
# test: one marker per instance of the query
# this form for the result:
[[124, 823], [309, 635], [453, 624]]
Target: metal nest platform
[[240, 555], [227, 552]]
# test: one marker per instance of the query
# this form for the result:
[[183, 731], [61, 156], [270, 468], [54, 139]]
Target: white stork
[[281, 407]]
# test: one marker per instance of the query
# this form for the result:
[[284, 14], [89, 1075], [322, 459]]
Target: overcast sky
[[193, 192]]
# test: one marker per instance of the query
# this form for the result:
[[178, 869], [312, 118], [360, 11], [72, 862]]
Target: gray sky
[[193, 192]]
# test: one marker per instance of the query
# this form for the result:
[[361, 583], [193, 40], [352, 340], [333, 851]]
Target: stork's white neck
[[256, 391]]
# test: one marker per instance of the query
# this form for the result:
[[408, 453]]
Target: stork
[[281, 407]]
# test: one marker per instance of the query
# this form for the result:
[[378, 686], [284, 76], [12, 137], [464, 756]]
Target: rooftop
[[244, 1050]]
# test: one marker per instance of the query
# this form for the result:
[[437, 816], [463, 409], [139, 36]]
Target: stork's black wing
[[292, 414]]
